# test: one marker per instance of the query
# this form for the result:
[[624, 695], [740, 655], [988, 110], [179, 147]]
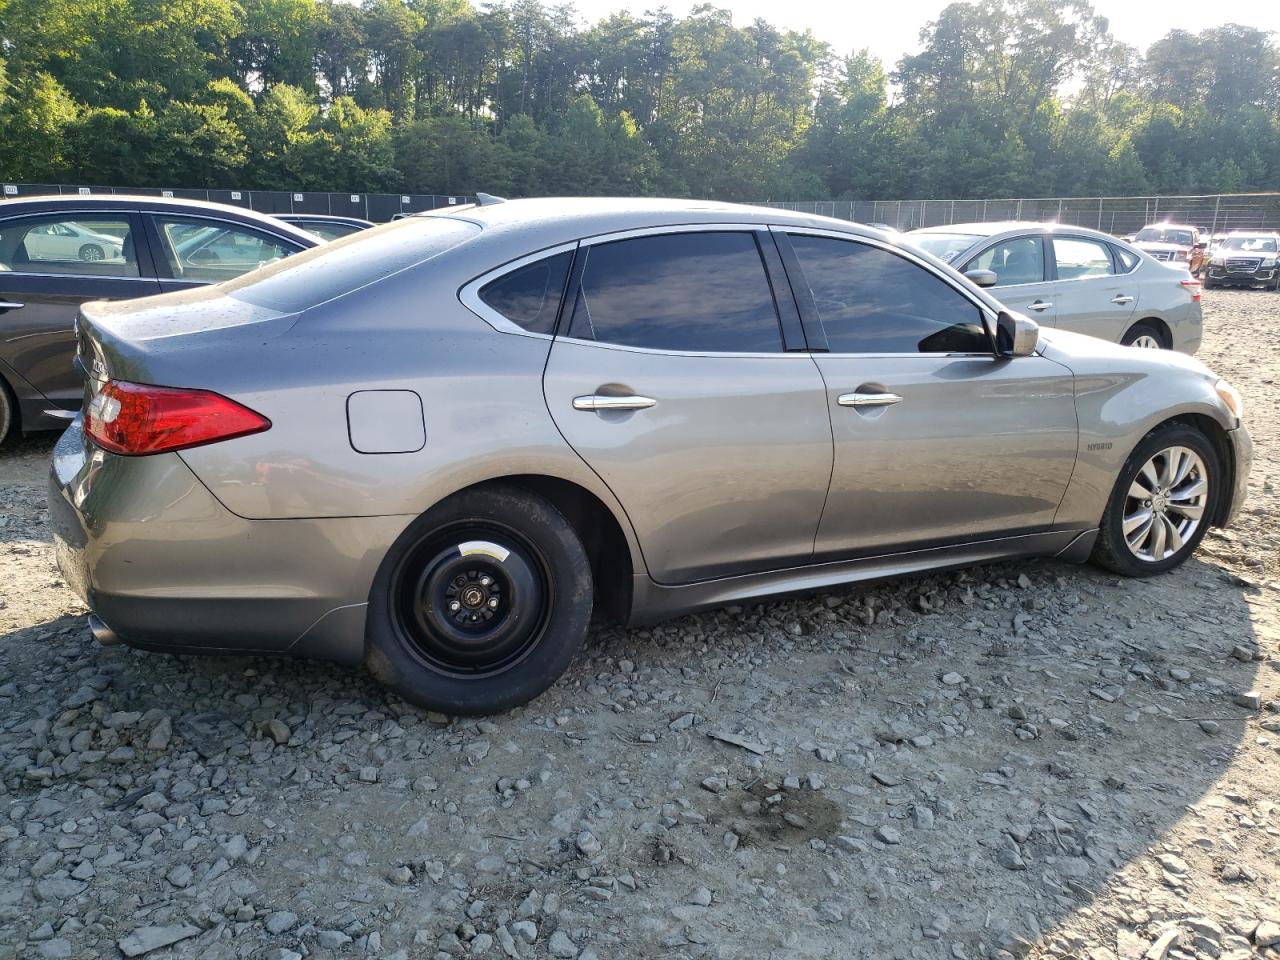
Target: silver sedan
[[1073, 278], [438, 446]]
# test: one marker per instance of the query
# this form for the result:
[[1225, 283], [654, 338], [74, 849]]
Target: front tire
[[1163, 500], [8, 412], [481, 604], [92, 253]]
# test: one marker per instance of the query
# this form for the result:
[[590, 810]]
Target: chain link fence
[[378, 207], [1115, 215]]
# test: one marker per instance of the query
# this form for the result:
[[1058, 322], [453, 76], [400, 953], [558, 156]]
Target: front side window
[[874, 301], [94, 245], [1077, 257], [529, 296], [213, 250], [1017, 260], [697, 292]]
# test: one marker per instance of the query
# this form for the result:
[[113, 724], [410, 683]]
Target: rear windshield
[[945, 246], [309, 278], [1165, 235]]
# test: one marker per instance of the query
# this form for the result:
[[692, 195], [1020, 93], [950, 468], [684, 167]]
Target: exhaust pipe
[[101, 632]]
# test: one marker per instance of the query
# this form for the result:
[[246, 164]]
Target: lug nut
[[493, 603], [485, 581], [454, 605]]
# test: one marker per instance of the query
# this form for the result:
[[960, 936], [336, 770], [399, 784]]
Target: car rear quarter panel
[[482, 403], [1163, 297], [1121, 394]]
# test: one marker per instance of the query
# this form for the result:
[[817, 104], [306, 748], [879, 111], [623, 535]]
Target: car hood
[[1087, 355], [1160, 245]]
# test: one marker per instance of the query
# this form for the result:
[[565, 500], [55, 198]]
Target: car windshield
[[1165, 235], [945, 246], [1250, 244]]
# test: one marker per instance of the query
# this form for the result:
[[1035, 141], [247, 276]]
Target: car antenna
[[487, 199]]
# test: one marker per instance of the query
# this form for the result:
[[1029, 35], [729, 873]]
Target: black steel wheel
[[481, 604]]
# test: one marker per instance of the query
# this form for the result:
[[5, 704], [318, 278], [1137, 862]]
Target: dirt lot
[[1029, 760]]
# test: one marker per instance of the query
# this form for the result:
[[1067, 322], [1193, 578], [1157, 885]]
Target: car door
[[672, 379], [937, 440], [1022, 282], [1094, 297], [193, 250], [42, 285]]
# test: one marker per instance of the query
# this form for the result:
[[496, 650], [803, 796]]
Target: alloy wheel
[[1165, 503], [1147, 341]]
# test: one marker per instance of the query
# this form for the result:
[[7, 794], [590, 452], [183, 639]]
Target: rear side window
[[76, 245], [529, 296], [874, 301], [1013, 261], [697, 292], [1077, 257], [1128, 259]]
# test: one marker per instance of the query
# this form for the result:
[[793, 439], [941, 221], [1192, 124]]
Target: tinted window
[[332, 269], [327, 229], [87, 244], [214, 250], [1078, 257], [874, 301], [680, 291], [1017, 260], [945, 246], [530, 296]]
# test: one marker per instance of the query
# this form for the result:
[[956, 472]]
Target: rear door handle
[[596, 401], [868, 399], [1039, 305], [1122, 299], [10, 305]]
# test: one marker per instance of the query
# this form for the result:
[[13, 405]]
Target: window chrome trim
[[712, 354], [469, 293], [988, 314], [733, 226], [71, 276]]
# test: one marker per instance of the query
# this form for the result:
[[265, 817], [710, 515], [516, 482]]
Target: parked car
[[1075, 279], [1174, 243], [1246, 259], [437, 449], [58, 252], [324, 226]]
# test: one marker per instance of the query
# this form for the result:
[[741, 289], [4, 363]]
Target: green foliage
[[1003, 98]]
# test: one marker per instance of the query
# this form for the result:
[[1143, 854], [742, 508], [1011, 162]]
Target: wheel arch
[[1159, 323]]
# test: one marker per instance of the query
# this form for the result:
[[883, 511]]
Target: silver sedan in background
[[1073, 278], [436, 446]]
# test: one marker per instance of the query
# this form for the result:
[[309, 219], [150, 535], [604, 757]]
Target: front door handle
[[1122, 299], [596, 401], [10, 305], [1039, 305], [868, 399]]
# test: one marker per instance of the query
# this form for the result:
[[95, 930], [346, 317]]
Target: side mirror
[[1016, 335], [983, 278], [1202, 245]]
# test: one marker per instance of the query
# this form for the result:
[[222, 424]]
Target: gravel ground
[[1029, 760]]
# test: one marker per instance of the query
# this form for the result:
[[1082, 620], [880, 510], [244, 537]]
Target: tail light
[[135, 419], [1192, 287]]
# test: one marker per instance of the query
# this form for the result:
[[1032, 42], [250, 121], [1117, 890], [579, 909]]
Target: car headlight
[[1231, 397], [1268, 261], [1182, 255], [1218, 260]]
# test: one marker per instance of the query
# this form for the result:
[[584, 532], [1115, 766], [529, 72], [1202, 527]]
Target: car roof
[[1253, 233], [1000, 227], [87, 203], [579, 217], [322, 218]]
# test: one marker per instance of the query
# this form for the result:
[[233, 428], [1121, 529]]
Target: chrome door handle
[[868, 399], [1122, 299], [1039, 305], [10, 305], [597, 401]]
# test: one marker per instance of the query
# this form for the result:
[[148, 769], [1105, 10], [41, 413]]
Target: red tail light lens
[[1192, 287], [135, 419]]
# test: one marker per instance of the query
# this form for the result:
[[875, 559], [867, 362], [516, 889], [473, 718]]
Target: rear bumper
[[165, 566]]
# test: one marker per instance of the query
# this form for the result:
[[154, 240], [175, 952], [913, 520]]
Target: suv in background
[[1246, 259], [59, 252], [1174, 243]]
